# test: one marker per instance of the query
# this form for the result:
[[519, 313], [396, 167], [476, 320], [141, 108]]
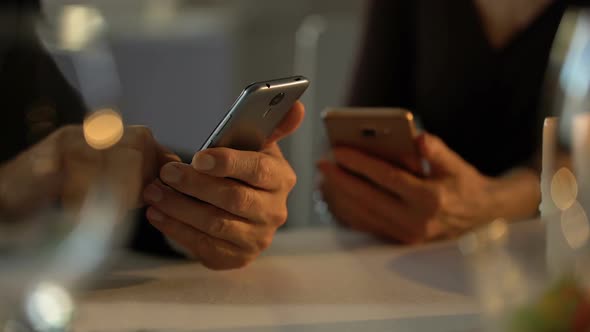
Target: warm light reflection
[[103, 129], [497, 230], [575, 227], [564, 189], [490, 235], [49, 307]]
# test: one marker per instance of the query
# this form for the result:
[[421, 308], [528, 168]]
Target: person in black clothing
[[472, 72], [223, 208]]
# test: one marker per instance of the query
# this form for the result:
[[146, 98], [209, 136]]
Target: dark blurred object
[[35, 99]]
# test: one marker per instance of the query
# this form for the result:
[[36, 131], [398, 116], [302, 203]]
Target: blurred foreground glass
[[566, 215], [51, 253], [516, 292], [539, 280], [564, 189]]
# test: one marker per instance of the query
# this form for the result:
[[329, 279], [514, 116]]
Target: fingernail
[[171, 174], [153, 193], [155, 215], [203, 162]]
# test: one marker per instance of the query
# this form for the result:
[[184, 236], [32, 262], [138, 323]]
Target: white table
[[319, 279]]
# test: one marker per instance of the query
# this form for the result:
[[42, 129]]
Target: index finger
[[380, 172], [254, 168]]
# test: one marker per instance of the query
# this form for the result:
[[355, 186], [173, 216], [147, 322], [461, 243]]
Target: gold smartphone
[[386, 133]]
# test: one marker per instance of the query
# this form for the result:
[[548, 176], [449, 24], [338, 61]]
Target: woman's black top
[[434, 58]]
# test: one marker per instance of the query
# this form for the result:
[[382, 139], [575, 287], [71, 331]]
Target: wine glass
[[49, 254], [539, 280]]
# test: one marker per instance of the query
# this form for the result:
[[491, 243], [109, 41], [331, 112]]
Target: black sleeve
[[55, 88], [579, 3], [385, 65], [35, 98]]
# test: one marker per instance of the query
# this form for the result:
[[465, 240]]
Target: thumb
[[441, 158], [289, 124]]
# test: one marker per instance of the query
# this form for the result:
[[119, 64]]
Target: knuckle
[[278, 217], [263, 169], [225, 160], [435, 198], [214, 256], [241, 199], [290, 179], [203, 247], [219, 227], [264, 242]]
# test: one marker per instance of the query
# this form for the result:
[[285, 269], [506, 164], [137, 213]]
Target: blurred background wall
[[182, 63]]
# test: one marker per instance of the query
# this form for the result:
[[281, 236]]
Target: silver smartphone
[[256, 113]]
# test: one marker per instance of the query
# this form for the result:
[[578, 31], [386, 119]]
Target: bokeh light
[[49, 307], [575, 227], [498, 229], [491, 234], [78, 25], [103, 129], [564, 189]]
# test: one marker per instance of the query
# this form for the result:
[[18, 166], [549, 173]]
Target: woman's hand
[[373, 196]]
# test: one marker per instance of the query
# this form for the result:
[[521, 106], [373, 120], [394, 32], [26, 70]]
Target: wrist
[[515, 195]]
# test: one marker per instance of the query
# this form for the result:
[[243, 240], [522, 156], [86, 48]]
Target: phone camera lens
[[277, 99], [369, 132]]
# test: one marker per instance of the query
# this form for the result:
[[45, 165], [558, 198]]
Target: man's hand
[[374, 196], [64, 168], [225, 207]]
